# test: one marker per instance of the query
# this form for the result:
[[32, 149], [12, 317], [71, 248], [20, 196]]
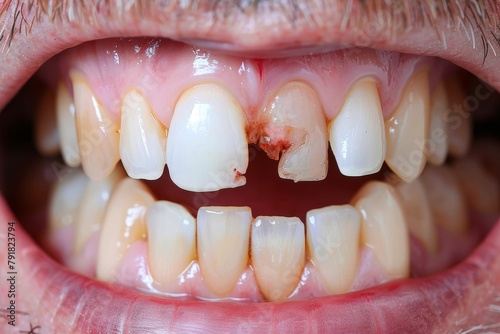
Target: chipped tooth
[[481, 189], [92, 208], [295, 117], [438, 129], [357, 134], [66, 124], [383, 227], [46, 133], [459, 121], [278, 255], [333, 236], [142, 139], [418, 214], [207, 147], [124, 223], [171, 241], [98, 133], [445, 198], [223, 238], [406, 130]]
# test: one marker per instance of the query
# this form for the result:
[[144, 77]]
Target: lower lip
[[57, 300]]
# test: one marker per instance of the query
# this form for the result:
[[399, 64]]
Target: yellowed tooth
[[223, 238], [171, 241], [459, 120], [124, 223], [66, 124], [46, 133], [481, 189], [333, 237], [98, 133], [407, 129], [92, 208], [383, 227], [278, 255], [418, 214], [445, 198], [438, 129], [295, 116]]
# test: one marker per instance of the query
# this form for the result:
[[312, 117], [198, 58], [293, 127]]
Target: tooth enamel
[[357, 134], [46, 134], [295, 117], [98, 133], [124, 223], [445, 198], [333, 236], [459, 121], [223, 238], [383, 227], [142, 139], [207, 148], [278, 255], [171, 241], [66, 125], [407, 130], [418, 214], [92, 208], [438, 129]]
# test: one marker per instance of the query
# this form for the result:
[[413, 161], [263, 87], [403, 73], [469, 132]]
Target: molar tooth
[[66, 124], [142, 139], [98, 133], [46, 133], [223, 238], [207, 148], [295, 117], [383, 227], [124, 223], [278, 255], [333, 236], [357, 134], [406, 130], [438, 129], [171, 241]]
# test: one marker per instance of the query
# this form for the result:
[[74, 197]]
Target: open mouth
[[337, 174]]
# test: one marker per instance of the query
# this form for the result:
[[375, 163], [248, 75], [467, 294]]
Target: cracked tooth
[[45, 126], [445, 198], [171, 241], [333, 238], [124, 223], [357, 134], [65, 109], [438, 129], [406, 130], [295, 126], [459, 121], [142, 139], [278, 255], [383, 227], [207, 147], [223, 238], [98, 133]]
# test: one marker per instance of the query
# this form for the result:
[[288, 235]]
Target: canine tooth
[[406, 130], [278, 255], [142, 139], [295, 117], [98, 133], [66, 124], [124, 223], [383, 227], [223, 240], [438, 129], [333, 236], [418, 214], [171, 241], [207, 148], [357, 134], [459, 121], [445, 198], [46, 134], [93, 206]]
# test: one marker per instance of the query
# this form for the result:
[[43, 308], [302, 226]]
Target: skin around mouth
[[59, 300]]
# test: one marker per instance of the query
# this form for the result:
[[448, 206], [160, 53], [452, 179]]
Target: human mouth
[[392, 202]]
